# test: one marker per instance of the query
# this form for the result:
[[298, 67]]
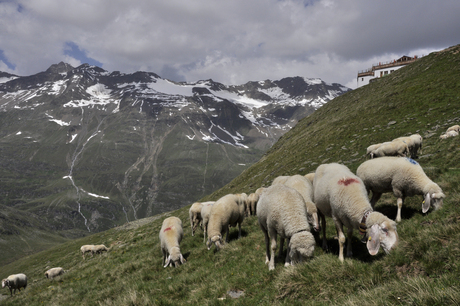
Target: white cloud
[[228, 41]]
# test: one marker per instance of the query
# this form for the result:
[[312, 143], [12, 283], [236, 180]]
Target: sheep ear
[[373, 240], [168, 260], [182, 259], [426, 204]]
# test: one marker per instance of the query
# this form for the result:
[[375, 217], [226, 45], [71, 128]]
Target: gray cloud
[[228, 41]]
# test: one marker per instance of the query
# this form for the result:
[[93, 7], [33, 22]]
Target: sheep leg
[[267, 246], [280, 252], [271, 264], [341, 236], [323, 225], [239, 230], [350, 235], [398, 215], [227, 229], [204, 233], [287, 261], [375, 197]]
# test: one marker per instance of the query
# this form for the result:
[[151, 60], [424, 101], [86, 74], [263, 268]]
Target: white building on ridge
[[381, 69]]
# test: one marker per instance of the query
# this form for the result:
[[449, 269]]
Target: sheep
[[451, 133], [228, 210], [205, 213], [310, 176], [195, 216], [282, 211], [342, 195], [99, 249], [171, 235], [54, 272], [253, 198], [404, 177], [85, 249], [455, 128], [414, 143], [305, 188], [394, 148], [15, 281]]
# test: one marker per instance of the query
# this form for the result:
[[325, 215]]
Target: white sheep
[[86, 249], [394, 148], [195, 216], [305, 187], [342, 195], [414, 143], [227, 211], [15, 281], [205, 213], [54, 272], [310, 176], [171, 234], [98, 249], [282, 211], [455, 128], [402, 176], [280, 179], [451, 133]]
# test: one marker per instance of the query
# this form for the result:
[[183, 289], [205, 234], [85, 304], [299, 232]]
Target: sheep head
[[434, 199], [301, 247], [5, 283], [217, 240], [175, 257], [380, 233]]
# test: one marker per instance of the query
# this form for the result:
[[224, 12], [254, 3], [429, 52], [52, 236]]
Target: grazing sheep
[[98, 249], [402, 176], [15, 281], [455, 128], [395, 148], [342, 195], [451, 133], [282, 211], [86, 249], [227, 211], [205, 213], [414, 143], [195, 216], [54, 272], [305, 188], [253, 198], [171, 235]]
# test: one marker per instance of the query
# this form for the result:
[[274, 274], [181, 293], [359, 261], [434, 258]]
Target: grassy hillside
[[423, 97]]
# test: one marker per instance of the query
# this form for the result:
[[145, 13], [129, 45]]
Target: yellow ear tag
[[370, 238]]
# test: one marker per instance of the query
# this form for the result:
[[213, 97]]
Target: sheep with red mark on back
[[171, 234], [340, 194]]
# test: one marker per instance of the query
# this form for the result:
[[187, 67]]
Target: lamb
[[448, 134], [305, 188], [282, 211], [15, 281], [227, 211], [404, 177], [85, 249], [205, 213], [171, 235], [54, 272], [342, 195], [98, 249], [455, 128], [395, 148]]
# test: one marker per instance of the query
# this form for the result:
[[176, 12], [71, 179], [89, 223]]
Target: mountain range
[[84, 149]]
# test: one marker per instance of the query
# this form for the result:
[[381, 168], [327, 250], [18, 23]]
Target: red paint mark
[[347, 181], [167, 229]]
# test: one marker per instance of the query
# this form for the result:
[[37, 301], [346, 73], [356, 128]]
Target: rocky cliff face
[[83, 149]]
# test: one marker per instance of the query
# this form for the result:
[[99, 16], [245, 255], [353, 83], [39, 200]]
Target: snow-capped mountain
[[87, 149]]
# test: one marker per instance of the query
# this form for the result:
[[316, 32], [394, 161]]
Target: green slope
[[423, 97]]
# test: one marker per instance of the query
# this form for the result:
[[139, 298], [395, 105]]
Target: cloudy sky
[[229, 41]]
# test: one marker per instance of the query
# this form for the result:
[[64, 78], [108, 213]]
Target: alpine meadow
[[422, 97]]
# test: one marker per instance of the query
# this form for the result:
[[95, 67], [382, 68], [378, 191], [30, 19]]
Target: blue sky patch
[[73, 50]]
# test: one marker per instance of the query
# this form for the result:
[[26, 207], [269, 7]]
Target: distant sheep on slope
[[402, 176], [54, 272], [282, 211], [15, 281], [394, 148], [171, 234], [414, 143], [98, 249], [205, 214], [451, 133], [342, 195], [455, 128], [87, 248], [195, 216]]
